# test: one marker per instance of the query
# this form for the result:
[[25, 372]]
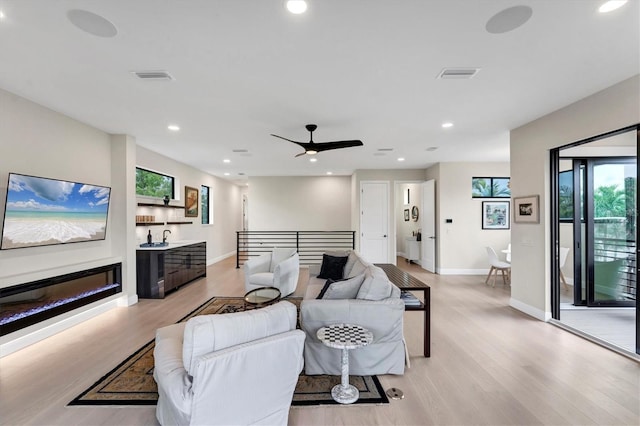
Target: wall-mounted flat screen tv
[[41, 211]]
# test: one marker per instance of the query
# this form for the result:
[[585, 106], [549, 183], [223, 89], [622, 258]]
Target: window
[[152, 184], [490, 187], [205, 205]]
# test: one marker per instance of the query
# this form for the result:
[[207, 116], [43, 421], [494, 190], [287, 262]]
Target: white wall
[[613, 108], [300, 203], [226, 198], [461, 244], [40, 142], [35, 140]]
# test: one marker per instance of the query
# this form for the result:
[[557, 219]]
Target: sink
[[154, 244]]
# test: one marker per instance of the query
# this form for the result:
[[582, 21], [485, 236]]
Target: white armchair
[[238, 368], [279, 269]]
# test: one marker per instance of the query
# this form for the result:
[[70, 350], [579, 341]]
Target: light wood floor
[[490, 365]]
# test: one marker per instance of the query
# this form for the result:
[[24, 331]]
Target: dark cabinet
[[160, 271]]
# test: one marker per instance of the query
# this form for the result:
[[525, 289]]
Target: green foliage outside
[[204, 204], [153, 184], [481, 187], [609, 201]]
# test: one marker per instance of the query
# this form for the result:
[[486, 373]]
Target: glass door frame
[[555, 220]]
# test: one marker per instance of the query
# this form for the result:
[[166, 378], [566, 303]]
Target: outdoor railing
[[622, 254], [310, 245]]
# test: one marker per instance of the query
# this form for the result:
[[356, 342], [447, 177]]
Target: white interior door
[[429, 226], [374, 221]]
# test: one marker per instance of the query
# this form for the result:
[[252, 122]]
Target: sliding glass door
[[611, 232], [594, 233]]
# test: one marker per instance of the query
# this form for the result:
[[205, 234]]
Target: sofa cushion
[[342, 289], [263, 279], [376, 285], [357, 268], [208, 333], [326, 285], [278, 255], [332, 267]]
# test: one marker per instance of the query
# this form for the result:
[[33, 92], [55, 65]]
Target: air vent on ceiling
[[458, 73], [153, 75], [240, 150], [385, 149]]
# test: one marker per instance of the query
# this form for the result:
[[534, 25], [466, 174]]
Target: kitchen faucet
[[164, 235]]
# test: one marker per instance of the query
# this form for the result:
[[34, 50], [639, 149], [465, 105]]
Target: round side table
[[345, 337], [261, 297]]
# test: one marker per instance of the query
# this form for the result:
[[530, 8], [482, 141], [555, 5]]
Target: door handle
[[432, 238]]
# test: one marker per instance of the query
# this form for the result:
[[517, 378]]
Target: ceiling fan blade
[[301, 154], [288, 140], [325, 146]]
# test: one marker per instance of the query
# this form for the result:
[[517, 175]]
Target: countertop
[[172, 245]]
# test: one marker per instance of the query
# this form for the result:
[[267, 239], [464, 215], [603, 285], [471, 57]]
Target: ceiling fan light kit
[[312, 148]]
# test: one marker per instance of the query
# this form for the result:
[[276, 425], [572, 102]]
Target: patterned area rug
[[132, 383]]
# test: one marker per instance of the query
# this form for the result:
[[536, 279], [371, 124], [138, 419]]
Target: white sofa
[[376, 306], [279, 269], [229, 369]]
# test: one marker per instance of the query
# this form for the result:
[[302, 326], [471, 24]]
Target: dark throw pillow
[[332, 267]]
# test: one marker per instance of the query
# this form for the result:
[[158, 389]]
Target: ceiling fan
[[312, 147]]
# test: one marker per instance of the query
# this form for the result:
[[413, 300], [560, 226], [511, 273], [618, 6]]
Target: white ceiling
[[359, 69]]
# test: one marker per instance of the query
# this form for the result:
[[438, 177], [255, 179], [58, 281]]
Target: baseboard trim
[[463, 271], [35, 336], [530, 310], [221, 257]]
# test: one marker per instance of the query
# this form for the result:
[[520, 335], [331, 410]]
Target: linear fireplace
[[30, 303]]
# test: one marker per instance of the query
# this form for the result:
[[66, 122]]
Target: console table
[[405, 281]]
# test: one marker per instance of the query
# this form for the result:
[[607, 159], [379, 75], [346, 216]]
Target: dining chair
[[497, 265]]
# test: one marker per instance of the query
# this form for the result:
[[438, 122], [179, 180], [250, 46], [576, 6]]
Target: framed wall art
[[526, 209], [495, 215], [190, 202]]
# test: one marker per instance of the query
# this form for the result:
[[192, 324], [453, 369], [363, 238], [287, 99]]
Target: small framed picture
[[495, 215], [190, 202], [406, 215], [526, 209]]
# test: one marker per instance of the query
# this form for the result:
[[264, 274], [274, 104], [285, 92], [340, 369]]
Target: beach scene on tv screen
[[41, 211]]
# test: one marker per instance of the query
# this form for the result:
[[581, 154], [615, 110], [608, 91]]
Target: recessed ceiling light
[[401, 159], [227, 174], [509, 19], [91, 23], [226, 160], [297, 6], [447, 125], [329, 173], [1, 14], [611, 5], [313, 160], [173, 127]]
